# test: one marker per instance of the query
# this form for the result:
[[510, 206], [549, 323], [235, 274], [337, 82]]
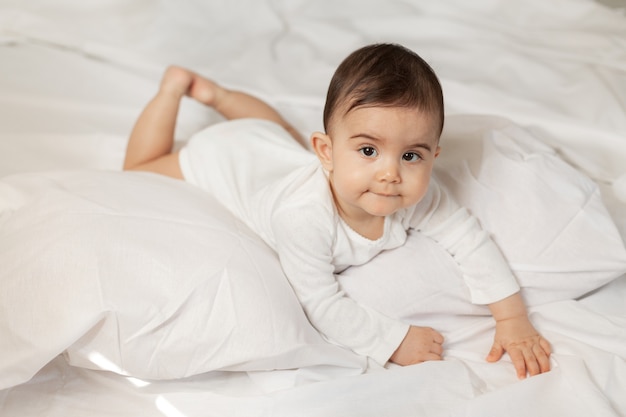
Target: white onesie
[[280, 190]]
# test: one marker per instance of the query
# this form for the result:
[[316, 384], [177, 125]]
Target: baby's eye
[[368, 151], [411, 157]]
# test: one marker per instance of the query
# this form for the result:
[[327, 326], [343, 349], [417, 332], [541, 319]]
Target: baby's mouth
[[385, 194]]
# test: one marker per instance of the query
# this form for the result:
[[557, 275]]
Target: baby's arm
[[488, 277], [528, 350], [304, 236], [152, 138]]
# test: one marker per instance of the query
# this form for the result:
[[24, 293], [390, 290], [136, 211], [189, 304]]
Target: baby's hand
[[181, 81], [420, 344], [528, 350]]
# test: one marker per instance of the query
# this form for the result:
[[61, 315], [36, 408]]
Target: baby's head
[[383, 75], [383, 119]]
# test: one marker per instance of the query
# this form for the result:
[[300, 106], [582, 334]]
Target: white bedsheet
[[73, 78]]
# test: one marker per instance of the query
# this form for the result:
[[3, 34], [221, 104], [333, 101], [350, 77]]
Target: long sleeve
[[304, 242], [484, 268]]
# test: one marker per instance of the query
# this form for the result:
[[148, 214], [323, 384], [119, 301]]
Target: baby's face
[[382, 159]]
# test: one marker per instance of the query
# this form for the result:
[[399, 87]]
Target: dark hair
[[384, 75]]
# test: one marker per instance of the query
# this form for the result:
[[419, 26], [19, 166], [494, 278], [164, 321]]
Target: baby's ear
[[323, 147], [437, 151]]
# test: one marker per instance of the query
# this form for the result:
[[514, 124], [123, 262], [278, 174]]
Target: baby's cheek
[[352, 178], [418, 191]]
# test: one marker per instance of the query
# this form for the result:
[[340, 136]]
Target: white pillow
[[548, 219], [142, 275]]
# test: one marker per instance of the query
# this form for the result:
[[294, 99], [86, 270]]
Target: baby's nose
[[389, 172]]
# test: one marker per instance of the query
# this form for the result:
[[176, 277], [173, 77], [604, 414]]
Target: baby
[[367, 181]]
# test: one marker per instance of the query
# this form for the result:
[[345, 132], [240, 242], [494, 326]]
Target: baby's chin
[[383, 210]]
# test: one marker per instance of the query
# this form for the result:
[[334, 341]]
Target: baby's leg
[[152, 136], [229, 103], [236, 104]]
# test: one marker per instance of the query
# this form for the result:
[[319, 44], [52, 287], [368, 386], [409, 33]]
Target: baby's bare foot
[[177, 81], [180, 81], [204, 90]]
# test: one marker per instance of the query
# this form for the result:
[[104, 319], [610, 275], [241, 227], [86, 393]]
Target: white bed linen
[[74, 77]]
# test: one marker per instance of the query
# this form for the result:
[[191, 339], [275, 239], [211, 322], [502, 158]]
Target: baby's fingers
[[529, 360], [545, 345], [532, 364], [519, 362], [495, 353], [542, 353]]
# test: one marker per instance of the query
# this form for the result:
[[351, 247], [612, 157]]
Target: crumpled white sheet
[[588, 379], [557, 66], [73, 79]]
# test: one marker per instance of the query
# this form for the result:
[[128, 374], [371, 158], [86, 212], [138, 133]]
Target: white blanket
[[74, 77]]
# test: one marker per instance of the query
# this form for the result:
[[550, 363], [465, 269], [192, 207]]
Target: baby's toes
[[202, 90], [176, 80]]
